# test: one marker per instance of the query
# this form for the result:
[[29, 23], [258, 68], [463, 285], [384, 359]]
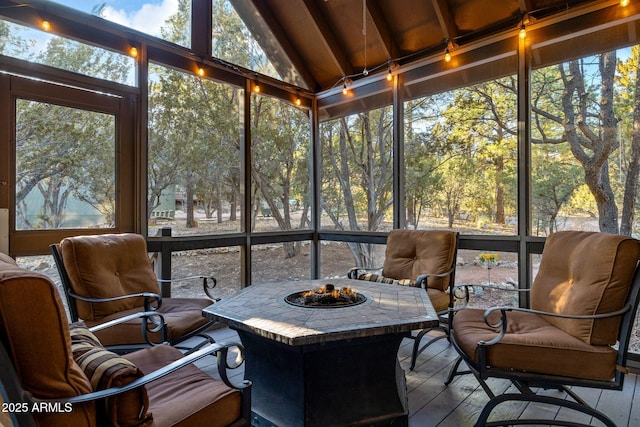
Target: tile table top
[[262, 310]]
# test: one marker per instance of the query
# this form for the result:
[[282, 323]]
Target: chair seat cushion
[[533, 345], [182, 315], [188, 396]]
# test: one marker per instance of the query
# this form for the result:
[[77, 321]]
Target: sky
[[143, 15]]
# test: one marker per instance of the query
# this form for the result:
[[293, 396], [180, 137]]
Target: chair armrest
[[149, 299], [354, 272], [208, 283], [502, 322], [152, 318], [219, 349], [421, 281]]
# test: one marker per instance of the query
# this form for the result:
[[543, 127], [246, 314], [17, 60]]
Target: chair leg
[[417, 350], [549, 400], [453, 372]]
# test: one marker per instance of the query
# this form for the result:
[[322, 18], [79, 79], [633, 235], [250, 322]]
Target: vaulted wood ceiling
[[316, 43]]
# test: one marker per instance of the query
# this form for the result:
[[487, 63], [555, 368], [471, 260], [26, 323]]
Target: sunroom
[[264, 142]]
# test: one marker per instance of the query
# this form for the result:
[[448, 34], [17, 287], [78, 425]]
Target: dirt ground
[[270, 265]]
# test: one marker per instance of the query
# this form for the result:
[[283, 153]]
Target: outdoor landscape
[[461, 157]]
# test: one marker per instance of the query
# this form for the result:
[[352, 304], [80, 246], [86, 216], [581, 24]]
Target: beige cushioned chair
[[156, 386], [420, 258], [583, 301], [109, 276]]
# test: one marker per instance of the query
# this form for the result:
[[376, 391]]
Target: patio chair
[[583, 301], [54, 376], [421, 258], [109, 276]]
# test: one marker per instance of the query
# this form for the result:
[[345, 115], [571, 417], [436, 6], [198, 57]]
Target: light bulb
[[45, 25], [200, 71], [298, 101], [344, 90], [256, 88], [389, 76], [447, 56], [523, 32], [625, 3], [133, 51]]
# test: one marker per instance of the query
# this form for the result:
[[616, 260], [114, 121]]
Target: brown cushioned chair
[[583, 300], [420, 258], [52, 377], [109, 276]]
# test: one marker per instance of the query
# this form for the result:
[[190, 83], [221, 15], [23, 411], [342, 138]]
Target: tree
[[193, 131], [487, 112], [281, 142], [357, 178], [579, 97]]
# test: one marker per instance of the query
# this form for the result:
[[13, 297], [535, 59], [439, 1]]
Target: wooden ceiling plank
[[339, 56]]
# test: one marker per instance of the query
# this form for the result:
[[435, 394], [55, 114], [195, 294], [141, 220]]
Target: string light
[[625, 3], [201, 71], [447, 52], [298, 101], [256, 87], [523, 23], [45, 25], [392, 66], [133, 51], [346, 82]]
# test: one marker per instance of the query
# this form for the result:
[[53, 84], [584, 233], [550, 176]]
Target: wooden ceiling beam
[[267, 30], [446, 19], [525, 6]]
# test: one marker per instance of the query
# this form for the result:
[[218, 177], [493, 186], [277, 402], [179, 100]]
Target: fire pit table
[[325, 366]]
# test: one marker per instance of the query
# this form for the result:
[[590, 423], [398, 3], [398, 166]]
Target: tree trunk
[[500, 217], [601, 144], [219, 200], [291, 249], [411, 217], [598, 183], [233, 205], [633, 172], [191, 223]]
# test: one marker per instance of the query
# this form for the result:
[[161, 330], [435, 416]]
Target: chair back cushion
[[106, 266], [585, 273], [35, 332], [411, 253]]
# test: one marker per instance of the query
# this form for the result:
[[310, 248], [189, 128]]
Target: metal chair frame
[[152, 302], [13, 392], [525, 381], [443, 315]]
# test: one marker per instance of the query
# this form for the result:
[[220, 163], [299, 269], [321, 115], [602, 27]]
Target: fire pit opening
[[326, 296]]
